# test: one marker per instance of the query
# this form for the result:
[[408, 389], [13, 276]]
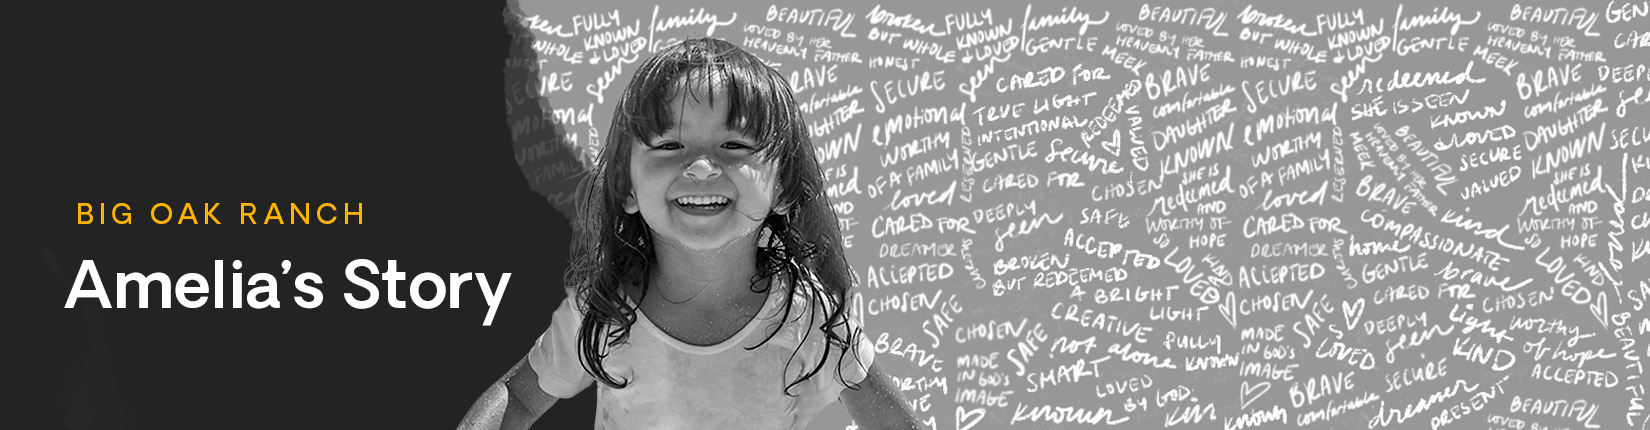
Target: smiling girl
[[709, 278]]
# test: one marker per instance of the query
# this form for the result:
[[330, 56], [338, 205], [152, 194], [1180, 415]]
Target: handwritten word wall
[[1197, 215]]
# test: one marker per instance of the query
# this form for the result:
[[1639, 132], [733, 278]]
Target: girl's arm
[[877, 404], [514, 402]]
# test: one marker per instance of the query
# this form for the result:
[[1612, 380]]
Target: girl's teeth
[[701, 201]]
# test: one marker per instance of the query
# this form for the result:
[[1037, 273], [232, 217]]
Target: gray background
[[1343, 331]]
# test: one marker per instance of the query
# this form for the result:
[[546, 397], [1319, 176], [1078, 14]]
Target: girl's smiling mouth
[[702, 205]]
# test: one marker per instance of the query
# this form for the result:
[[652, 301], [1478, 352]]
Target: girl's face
[[700, 185]]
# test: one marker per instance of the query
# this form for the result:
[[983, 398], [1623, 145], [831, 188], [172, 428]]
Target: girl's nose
[[702, 169]]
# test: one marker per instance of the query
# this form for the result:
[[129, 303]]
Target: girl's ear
[[781, 204], [630, 206]]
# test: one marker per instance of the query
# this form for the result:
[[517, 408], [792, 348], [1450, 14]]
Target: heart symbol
[[1228, 310], [1353, 313], [976, 414], [1249, 394]]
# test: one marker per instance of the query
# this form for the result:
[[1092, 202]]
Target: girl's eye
[[735, 145], [668, 145]]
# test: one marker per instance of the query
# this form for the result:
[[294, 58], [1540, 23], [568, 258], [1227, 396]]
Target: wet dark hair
[[614, 248]]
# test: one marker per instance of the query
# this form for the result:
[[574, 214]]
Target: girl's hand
[[878, 404]]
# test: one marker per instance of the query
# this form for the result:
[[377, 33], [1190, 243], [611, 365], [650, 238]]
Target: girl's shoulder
[[808, 294], [810, 308]]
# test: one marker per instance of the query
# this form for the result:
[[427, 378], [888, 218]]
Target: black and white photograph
[[518, 214]]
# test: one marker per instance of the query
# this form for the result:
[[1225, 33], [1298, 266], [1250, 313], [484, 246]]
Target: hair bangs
[[760, 102]]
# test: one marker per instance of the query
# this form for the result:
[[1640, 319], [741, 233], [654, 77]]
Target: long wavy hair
[[615, 248]]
